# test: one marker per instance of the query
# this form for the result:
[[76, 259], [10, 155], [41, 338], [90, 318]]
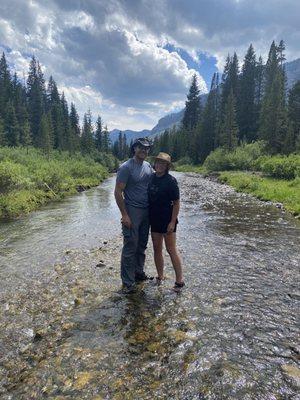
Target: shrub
[[11, 176], [242, 158], [282, 167], [217, 161], [184, 161]]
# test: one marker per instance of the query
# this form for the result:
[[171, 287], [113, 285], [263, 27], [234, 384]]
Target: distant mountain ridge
[[292, 69]]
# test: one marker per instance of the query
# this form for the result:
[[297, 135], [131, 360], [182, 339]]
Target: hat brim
[[162, 159]]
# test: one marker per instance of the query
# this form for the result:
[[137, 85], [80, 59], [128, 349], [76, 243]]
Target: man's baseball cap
[[142, 142]]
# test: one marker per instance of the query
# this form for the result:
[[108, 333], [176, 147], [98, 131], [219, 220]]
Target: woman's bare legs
[[170, 241], [157, 240]]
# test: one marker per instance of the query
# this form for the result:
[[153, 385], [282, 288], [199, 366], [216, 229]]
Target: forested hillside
[[244, 105], [36, 114]]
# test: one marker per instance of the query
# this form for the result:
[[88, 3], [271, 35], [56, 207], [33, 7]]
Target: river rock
[[292, 372], [100, 264]]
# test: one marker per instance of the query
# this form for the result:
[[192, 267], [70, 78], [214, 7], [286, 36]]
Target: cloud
[[111, 56]]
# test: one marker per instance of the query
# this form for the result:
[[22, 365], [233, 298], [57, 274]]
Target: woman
[[164, 208]]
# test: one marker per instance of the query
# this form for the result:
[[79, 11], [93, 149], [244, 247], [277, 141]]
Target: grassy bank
[[266, 188], [248, 169], [190, 168], [29, 179]]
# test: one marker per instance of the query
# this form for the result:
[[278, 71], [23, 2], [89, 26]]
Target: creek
[[232, 333]]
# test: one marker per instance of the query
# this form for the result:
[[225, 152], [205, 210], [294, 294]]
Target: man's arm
[[119, 188]]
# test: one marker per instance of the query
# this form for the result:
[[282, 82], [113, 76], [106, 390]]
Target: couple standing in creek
[[148, 198]]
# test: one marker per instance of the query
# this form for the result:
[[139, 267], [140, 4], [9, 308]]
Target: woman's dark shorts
[[159, 225]]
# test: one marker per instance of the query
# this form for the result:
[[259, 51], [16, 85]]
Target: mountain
[[167, 122], [292, 69], [130, 135]]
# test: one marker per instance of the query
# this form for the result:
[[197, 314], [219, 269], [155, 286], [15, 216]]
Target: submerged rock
[[292, 372]]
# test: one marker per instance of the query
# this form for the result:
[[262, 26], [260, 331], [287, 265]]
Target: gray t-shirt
[[136, 176]]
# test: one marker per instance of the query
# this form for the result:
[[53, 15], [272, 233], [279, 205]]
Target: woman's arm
[[175, 212]]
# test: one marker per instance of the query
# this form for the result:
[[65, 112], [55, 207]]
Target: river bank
[[29, 178], [68, 333], [283, 193]]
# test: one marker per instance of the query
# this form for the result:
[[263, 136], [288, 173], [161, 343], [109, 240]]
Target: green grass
[[190, 168], [265, 188], [29, 179], [277, 179]]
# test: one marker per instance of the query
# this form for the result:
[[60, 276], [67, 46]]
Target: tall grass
[[279, 178], [252, 157], [28, 178], [266, 188]]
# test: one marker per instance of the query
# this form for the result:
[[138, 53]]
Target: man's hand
[[171, 227], [126, 221]]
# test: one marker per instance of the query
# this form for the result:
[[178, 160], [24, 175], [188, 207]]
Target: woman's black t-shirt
[[162, 191]]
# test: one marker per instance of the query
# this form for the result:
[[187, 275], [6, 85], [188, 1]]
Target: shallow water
[[232, 333], [32, 242]]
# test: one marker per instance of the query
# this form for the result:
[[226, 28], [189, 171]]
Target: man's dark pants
[[135, 242]]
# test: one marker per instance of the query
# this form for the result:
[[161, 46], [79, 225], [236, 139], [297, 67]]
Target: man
[[131, 194]]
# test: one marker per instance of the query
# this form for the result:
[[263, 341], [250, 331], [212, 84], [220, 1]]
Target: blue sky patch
[[206, 67]]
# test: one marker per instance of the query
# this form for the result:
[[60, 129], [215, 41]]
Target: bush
[[217, 161], [242, 158], [184, 161], [108, 160], [11, 176], [282, 167]]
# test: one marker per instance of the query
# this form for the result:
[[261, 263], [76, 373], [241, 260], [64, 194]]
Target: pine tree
[[246, 110], [44, 136], [192, 106], [280, 51], [25, 132], [75, 128], [174, 144], [99, 134], [55, 108], [273, 117], [25, 138], [11, 126], [230, 80], [259, 78], [106, 141], [2, 133], [292, 139], [229, 137], [5, 85], [36, 98], [120, 146], [68, 141], [209, 123], [87, 139]]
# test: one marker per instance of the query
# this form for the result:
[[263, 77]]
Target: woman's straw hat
[[164, 157]]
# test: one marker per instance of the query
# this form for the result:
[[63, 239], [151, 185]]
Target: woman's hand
[[171, 227]]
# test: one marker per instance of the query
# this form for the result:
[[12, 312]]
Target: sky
[[131, 61]]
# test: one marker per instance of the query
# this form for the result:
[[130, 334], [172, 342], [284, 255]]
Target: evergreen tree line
[[32, 114], [120, 148], [243, 106]]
